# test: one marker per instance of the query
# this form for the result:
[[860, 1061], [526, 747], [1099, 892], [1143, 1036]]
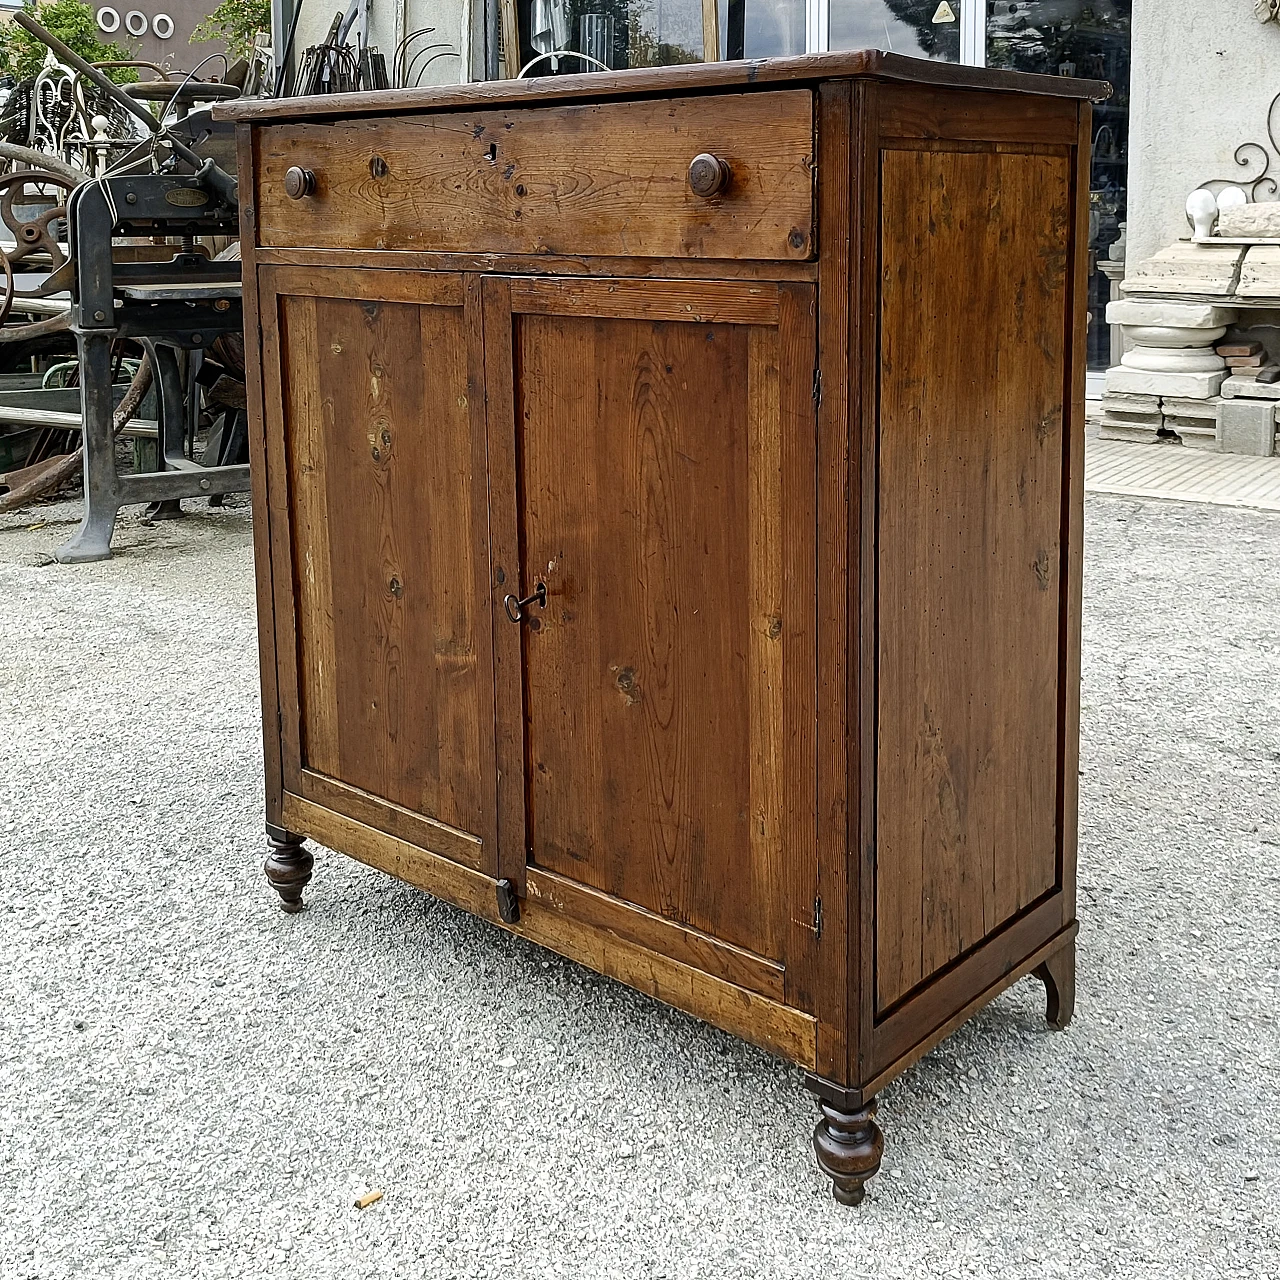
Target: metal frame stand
[[179, 305]]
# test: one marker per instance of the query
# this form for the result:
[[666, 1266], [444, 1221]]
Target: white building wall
[[1203, 77]]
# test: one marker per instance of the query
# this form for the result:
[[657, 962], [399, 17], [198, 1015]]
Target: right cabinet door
[[653, 476]]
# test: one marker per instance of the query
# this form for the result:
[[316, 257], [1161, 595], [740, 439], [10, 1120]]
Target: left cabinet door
[[376, 452]]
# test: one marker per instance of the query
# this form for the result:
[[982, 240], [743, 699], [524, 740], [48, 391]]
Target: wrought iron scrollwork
[[1258, 181]]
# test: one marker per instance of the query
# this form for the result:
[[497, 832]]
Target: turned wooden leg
[[848, 1145], [1058, 973], [288, 867]]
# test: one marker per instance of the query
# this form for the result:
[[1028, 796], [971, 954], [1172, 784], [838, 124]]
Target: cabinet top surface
[[658, 81]]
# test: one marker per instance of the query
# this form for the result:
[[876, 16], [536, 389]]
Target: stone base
[[1194, 386], [1130, 430], [1251, 389], [1247, 426], [1195, 433], [1115, 402]]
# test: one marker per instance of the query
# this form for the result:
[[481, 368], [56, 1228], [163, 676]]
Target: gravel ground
[[194, 1084]]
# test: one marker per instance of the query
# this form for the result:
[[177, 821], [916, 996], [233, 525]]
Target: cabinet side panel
[[974, 286]]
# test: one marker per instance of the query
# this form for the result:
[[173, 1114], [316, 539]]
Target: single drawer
[[609, 179]]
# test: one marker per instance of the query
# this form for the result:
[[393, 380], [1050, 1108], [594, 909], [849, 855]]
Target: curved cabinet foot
[[288, 868], [1058, 973], [849, 1146]]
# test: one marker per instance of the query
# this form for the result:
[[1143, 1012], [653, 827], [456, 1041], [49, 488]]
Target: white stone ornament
[[1266, 10], [1231, 198], [1202, 210]]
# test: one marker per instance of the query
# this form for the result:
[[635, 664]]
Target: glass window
[[621, 34], [1087, 38], [762, 28], [918, 28]]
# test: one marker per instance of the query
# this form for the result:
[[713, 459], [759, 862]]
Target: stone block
[[1120, 402], [1186, 268], [1254, 361], [1175, 315], [1130, 430], [1176, 407], [1195, 386], [1260, 220], [1250, 388], [1247, 426], [1238, 348], [1195, 433], [1260, 272]]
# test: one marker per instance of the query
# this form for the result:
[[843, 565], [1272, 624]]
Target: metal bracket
[[508, 902]]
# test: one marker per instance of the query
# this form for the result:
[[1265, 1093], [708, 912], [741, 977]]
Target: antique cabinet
[[668, 524]]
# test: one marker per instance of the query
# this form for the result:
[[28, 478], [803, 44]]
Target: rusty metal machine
[[177, 308]]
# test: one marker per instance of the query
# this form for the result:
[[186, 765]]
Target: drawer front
[[611, 179]]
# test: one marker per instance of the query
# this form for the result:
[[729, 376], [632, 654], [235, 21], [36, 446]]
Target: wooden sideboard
[[667, 494]]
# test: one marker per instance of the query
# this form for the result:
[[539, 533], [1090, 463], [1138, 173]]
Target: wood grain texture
[[724, 77], [831, 973], [699, 950], [541, 264], [785, 542], [975, 117], [505, 578], [395, 820], [280, 532], [1072, 572], [1020, 960], [265, 574], [864, 551], [713, 302], [970, 514], [655, 523], [600, 179], [755, 1018], [394, 679]]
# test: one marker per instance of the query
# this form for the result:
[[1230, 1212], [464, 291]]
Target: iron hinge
[[817, 918]]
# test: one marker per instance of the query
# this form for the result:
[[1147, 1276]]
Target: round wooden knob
[[299, 182], [709, 175]]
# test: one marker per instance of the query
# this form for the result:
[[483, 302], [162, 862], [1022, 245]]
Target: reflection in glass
[[918, 28], [1088, 38], [762, 28], [636, 33]]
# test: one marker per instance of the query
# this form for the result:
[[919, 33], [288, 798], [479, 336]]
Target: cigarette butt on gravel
[[369, 1197]]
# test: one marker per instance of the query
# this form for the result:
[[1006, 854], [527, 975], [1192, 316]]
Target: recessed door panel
[[387, 514], [661, 471]]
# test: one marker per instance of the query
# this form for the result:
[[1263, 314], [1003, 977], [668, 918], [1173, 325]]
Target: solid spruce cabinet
[[668, 525]]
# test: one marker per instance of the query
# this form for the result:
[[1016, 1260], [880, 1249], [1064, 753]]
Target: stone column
[[1172, 348]]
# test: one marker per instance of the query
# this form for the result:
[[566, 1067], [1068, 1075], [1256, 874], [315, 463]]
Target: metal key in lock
[[515, 608]]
